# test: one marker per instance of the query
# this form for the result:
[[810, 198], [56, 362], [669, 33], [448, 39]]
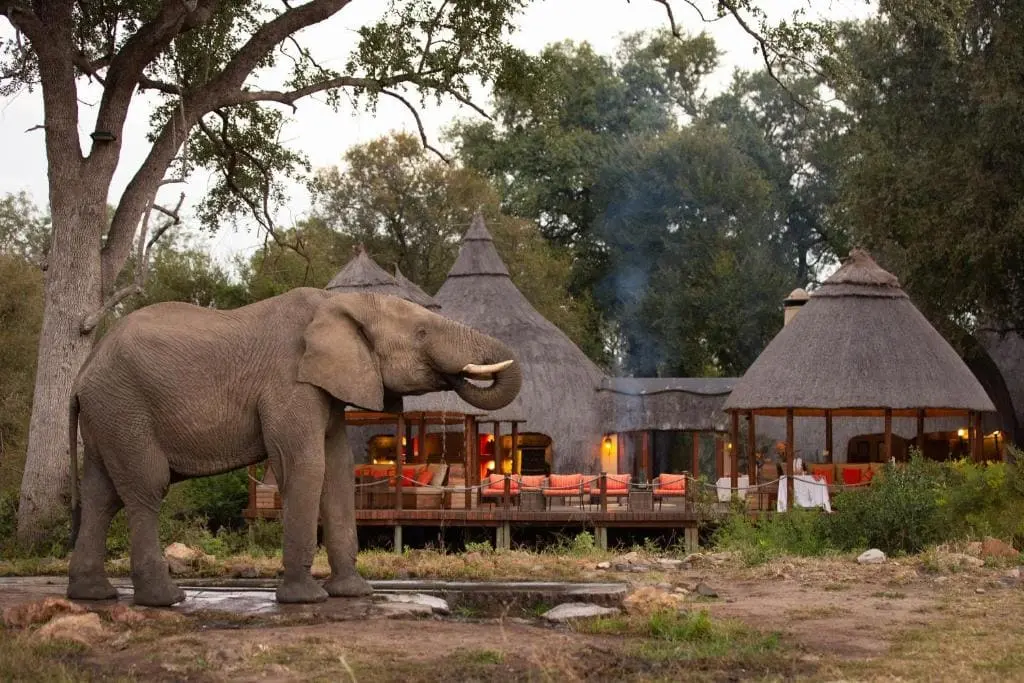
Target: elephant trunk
[[498, 395], [474, 356]]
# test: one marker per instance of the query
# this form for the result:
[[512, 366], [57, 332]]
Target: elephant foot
[[301, 589], [91, 588], [348, 586], [157, 593]]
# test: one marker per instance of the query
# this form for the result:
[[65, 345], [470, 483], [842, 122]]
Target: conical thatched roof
[[559, 392], [412, 291], [859, 342], [361, 274]]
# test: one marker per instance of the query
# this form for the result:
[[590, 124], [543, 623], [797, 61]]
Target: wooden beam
[[496, 428], [421, 438], [790, 451], [399, 460], [888, 434], [695, 472], [645, 454], [920, 431], [970, 435], [734, 453], [979, 439], [469, 445], [517, 464], [751, 448], [828, 437]]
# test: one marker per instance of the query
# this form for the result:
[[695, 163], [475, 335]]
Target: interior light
[[962, 433], [490, 465]]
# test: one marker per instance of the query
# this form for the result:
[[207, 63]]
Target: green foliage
[[907, 509], [220, 498]]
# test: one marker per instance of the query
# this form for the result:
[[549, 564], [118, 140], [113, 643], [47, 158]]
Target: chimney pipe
[[791, 305]]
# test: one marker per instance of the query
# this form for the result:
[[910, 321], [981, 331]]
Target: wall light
[[962, 433]]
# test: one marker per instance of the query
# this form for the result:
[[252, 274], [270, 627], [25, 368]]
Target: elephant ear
[[338, 358]]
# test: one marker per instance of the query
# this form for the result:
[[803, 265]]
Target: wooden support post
[[645, 455], [468, 460], [421, 438], [790, 451], [828, 438], [496, 426], [888, 434], [601, 537], [920, 430], [399, 460], [506, 493], [695, 472], [604, 492], [734, 454], [252, 487], [398, 539], [970, 434], [690, 539], [979, 439], [751, 448], [517, 463]]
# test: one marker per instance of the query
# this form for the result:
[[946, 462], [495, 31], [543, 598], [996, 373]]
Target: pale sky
[[324, 135]]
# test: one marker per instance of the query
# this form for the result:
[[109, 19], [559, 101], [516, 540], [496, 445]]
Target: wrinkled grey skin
[[175, 391]]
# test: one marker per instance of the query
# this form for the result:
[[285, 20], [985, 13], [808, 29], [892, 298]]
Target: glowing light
[[490, 438], [607, 443], [962, 433], [490, 465]]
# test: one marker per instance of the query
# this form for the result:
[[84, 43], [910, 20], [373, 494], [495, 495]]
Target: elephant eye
[[421, 333]]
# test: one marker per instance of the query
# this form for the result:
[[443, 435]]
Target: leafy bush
[[798, 532], [220, 498], [899, 512]]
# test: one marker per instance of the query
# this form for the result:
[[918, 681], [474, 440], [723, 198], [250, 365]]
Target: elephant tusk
[[478, 370]]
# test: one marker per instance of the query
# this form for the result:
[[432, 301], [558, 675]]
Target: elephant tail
[[76, 503]]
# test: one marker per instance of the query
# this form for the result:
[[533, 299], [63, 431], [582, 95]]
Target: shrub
[[899, 512], [220, 498], [798, 532]]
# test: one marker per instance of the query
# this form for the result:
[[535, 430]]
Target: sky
[[324, 134]]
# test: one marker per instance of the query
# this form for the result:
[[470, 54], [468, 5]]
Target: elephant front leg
[[301, 488], [338, 512]]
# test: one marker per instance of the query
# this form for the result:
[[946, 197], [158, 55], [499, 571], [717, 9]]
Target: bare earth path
[[800, 619]]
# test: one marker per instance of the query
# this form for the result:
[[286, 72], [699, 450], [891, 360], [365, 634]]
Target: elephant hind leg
[[142, 482], [87, 577]]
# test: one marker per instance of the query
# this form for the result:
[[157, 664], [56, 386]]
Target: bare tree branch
[[419, 124], [289, 98], [146, 83], [142, 254], [24, 19]]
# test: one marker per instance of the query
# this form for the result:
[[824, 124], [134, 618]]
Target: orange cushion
[[672, 482], [424, 477], [363, 470], [496, 483], [618, 482], [565, 481], [382, 471], [532, 481], [826, 472], [852, 475]]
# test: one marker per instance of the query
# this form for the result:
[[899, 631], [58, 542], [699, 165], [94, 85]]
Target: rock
[[962, 560], [993, 547], [604, 565], [630, 557], [706, 591], [86, 629], [873, 556], [182, 559], [648, 599], [680, 589], [436, 605], [123, 614], [1014, 573], [670, 564], [640, 568], [621, 567], [39, 612], [406, 609], [568, 611], [664, 586], [245, 571], [979, 590]]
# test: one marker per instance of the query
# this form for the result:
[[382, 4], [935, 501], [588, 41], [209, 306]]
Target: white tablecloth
[[724, 486], [809, 492]]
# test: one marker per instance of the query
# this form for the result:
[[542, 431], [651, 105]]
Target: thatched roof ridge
[[646, 386], [859, 342], [559, 394], [362, 274], [477, 255], [413, 292]]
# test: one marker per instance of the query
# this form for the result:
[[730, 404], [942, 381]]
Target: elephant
[[175, 391]]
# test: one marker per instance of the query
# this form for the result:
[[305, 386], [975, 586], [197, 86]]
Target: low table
[[532, 501], [641, 500]]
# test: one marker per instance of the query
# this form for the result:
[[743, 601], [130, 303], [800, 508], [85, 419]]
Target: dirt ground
[[788, 620]]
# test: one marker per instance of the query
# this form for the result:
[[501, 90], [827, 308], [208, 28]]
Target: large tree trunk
[[73, 290]]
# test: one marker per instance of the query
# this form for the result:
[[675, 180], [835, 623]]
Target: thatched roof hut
[[665, 403], [362, 274], [859, 343], [559, 395], [411, 291]]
